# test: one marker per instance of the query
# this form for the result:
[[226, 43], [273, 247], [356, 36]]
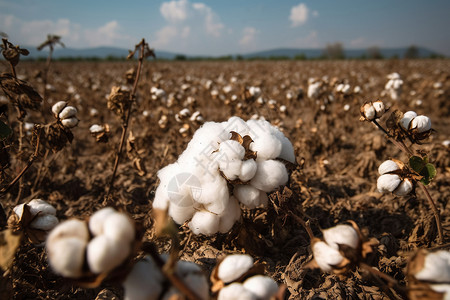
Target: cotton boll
[[67, 112], [58, 107], [204, 222], [248, 195], [18, 209], [436, 267], [326, 256], [379, 108], [97, 220], [198, 283], [388, 183], [144, 282], [119, 227], [70, 122], [369, 111], [248, 170], [407, 118], [387, 167], [69, 228], [235, 291], [66, 255], [269, 175], [96, 128], [404, 188], [262, 286], [41, 206], [104, 254], [341, 235], [230, 215], [180, 214], [234, 266], [44, 222], [421, 123]]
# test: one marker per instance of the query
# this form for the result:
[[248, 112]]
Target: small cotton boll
[[119, 227], [93, 112], [229, 216], [357, 89], [69, 228], [254, 91], [144, 282], [68, 112], [247, 195], [341, 235], [326, 256], [70, 122], [58, 107], [263, 287], [248, 170], [436, 267], [369, 111], [407, 118], [379, 108], [388, 183], [104, 254], [234, 266], [283, 108], [346, 107], [235, 291], [66, 256], [96, 128], [421, 123], [446, 143], [97, 220], [387, 167], [270, 175], [404, 188], [204, 222], [44, 222]]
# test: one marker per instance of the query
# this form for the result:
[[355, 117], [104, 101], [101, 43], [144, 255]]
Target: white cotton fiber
[[234, 266], [235, 291], [70, 228], [270, 175], [104, 254], [44, 222], [248, 170], [388, 183], [98, 218], [181, 214], [144, 282], [66, 256], [119, 227], [248, 195], [161, 200], [263, 287], [238, 125], [41, 206], [230, 215], [204, 222]]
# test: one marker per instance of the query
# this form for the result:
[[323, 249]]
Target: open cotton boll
[[262, 286], [369, 111], [269, 175], [68, 112], [119, 227], [44, 222], [326, 256], [421, 123], [436, 267], [248, 170], [104, 254], [388, 183], [341, 235], [379, 108], [235, 291], [387, 167], [248, 195], [58, 107], [70, 122], [230, 215], [204, 222], [404, 188], [407, 118], [234, 266], [144, 282], [66, 256], [97, 220], [41, 206]]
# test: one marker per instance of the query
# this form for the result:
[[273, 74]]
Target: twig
[[127, 118], [392, 283], [435, 212], [400, 145], [303, 223]]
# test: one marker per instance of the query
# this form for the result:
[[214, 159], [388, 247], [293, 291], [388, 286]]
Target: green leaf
[[423, 168], [5, 130], [428, 173], [417, 163]]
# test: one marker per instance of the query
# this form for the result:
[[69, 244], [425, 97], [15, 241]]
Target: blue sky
[[204, 27]]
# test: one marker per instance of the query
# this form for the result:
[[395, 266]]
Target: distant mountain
[[105, 52]]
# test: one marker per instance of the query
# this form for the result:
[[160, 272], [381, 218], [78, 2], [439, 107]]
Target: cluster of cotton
[[40, 215], [327, 254], [372, 110], [146, 282], [414, 123], [158, 94], [233, 278], [314, 87], [65, 113], [433, 270], [394, 86], [391, 180], [254, 91], [69, 244], [343, 88], [245, 155]]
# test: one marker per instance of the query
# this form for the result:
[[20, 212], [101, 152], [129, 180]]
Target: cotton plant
[[236, 276], [429, 275], [35, 218], [224, 165], [396, 176], [394, 86]]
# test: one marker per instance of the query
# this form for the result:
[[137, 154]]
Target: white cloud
[[248, 37], [175, 11], [164, 36], [212, 24], [299, 15], [34, 32]]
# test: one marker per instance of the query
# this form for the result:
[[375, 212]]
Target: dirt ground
[[335, 181]]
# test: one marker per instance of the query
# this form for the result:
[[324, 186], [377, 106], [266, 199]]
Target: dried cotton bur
[[223, 165], [35, 219], [237, 277], [100, 132], [429, 275], [89, 251]]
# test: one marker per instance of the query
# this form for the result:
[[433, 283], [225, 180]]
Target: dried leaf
[[9, 243], [29, 98]]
